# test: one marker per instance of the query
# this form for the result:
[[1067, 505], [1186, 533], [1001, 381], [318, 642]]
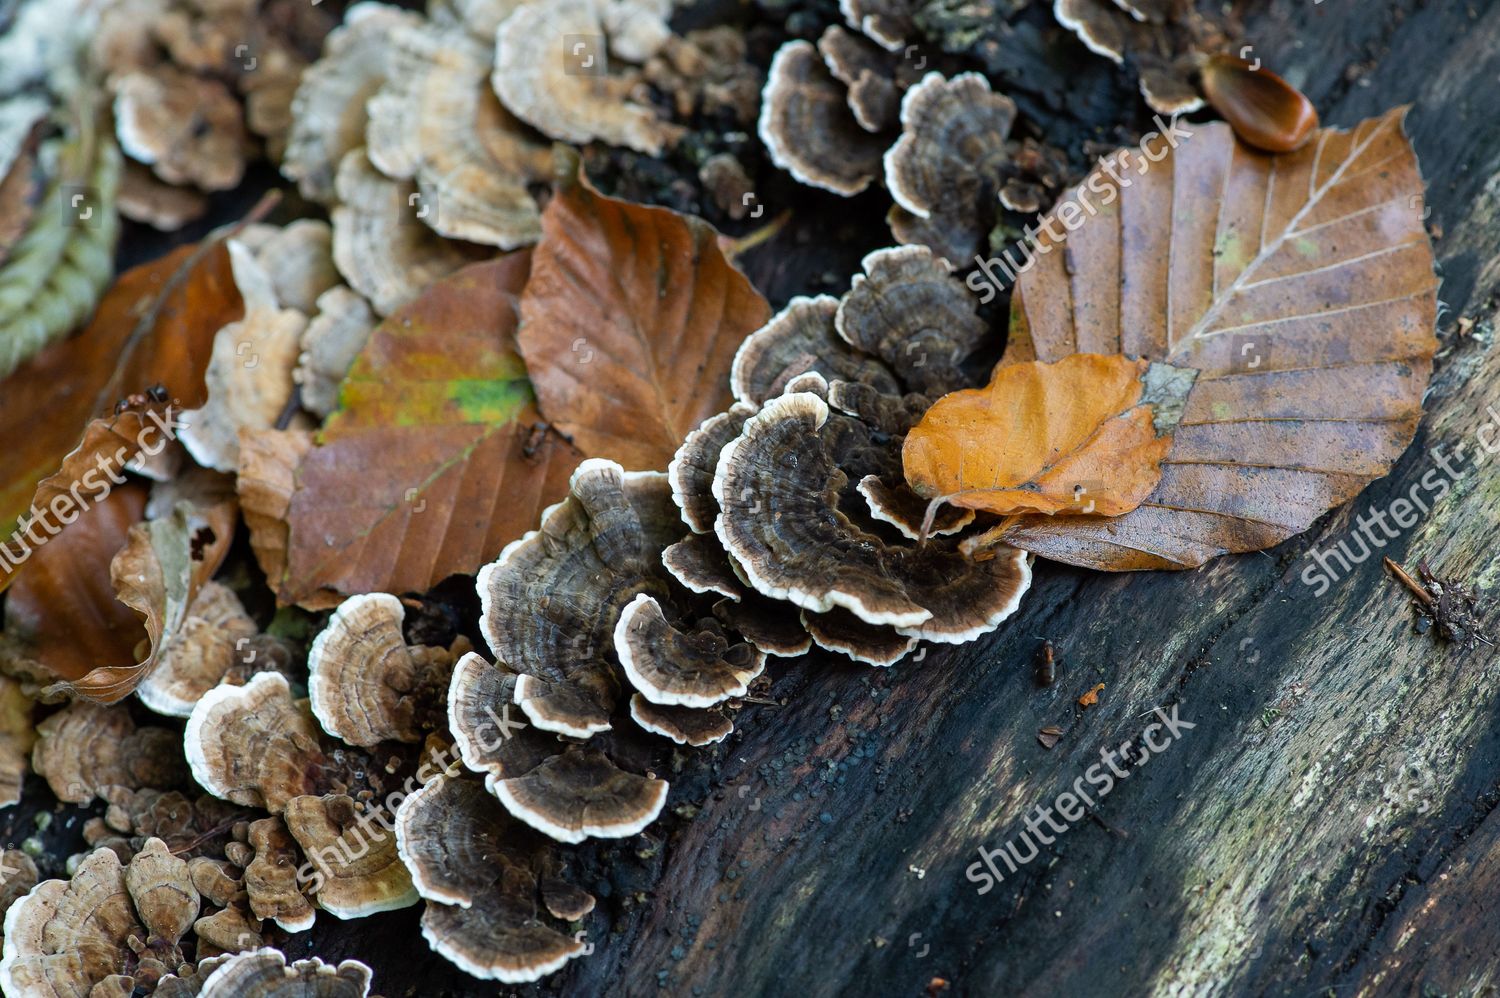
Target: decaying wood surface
[[1329, 824]]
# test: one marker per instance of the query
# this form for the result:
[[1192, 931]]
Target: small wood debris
[[1451, 606], [1049, 736], [1090, 698]]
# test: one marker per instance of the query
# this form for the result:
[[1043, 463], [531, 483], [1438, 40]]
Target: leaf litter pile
[[430, 520]]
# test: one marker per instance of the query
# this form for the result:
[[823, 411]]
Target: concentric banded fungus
[[671, 668], [86, 748], [328, 111], [874, 77], [551, 601], [691, 473], [801, 339], [699, 563], [271, 877], [903, 509], [383, 249], [358, 870], [254, 745], [188, 129], [778, 491], [482, 873], [570, 95], [264, 973], [581, 794], [85, 935], [437, 122], [945, 169], [200, 654], [367, 686], [333, 338], [683, 725], [1163, 40], [764, 623], [888, 22], [808, 129], [908, 310], [841, 631]]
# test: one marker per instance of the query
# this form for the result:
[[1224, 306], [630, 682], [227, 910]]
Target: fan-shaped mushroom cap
[[551, 601], [952, 143], [891, 414], [691, 473], [271, 877], [254, 745], [582, 794], [778, 489], [684, 725], [188, 129], [354, 853], [331, 340], [20, 877], [85, 748], [570, 95], [841, 631], [298, 260], [903, 509], [698, 562], [1097, 25], [367, 686], [481, 870], [200, 653], [887, 22], [564, 900], [911, 312], [673, 668], [144, 198], [436, 121], [383, 249], [1161, 39], [800, 339], [765, 623], [264, 973], [229, 931], [491, 738], [328, 111], [807, 127], [65, 936], [874, 92], [163, 892]]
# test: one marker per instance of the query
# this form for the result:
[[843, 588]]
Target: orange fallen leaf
[[630, 323], [1300, 286], [433, 461], [1084, 435], [1090, 698]]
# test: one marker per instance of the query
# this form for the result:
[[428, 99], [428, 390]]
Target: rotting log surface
[[1329, 823]]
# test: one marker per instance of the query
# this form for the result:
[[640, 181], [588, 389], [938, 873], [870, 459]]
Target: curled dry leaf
[[435, 422], [1083, 435], [1301, 287], [154, 327], [627, 369]]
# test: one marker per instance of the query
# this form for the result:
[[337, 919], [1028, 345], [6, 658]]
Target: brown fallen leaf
[[61, 617], [1300, 286], [154, 327], [426, 468], [1091, 698], [1083, 435], [630, 323]]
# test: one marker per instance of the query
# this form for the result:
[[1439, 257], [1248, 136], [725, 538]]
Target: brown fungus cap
[[188, 129], [354, 853], [903, 509], [801, 339], [484, 875], [778, 487], [490, 732], [808, 129], [1164, 39], [944, 170], [876, 79], [699, 563], [200, 654], [911, 312], [889, 23], [671, 667], [264, 973], [17, 738], [691, 473], [581, 794], [328, 111], [340, 326], [570, 96], [841, 631], [366, 684], [551, 601], [271, 881], [683, 725], [254, 745], [765, 623], [85, 748], [436, 121]]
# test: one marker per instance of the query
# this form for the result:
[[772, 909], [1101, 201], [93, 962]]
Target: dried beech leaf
[[1300, 286], [630, 323], [155, 326], [427, 468], [1083, 435]]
